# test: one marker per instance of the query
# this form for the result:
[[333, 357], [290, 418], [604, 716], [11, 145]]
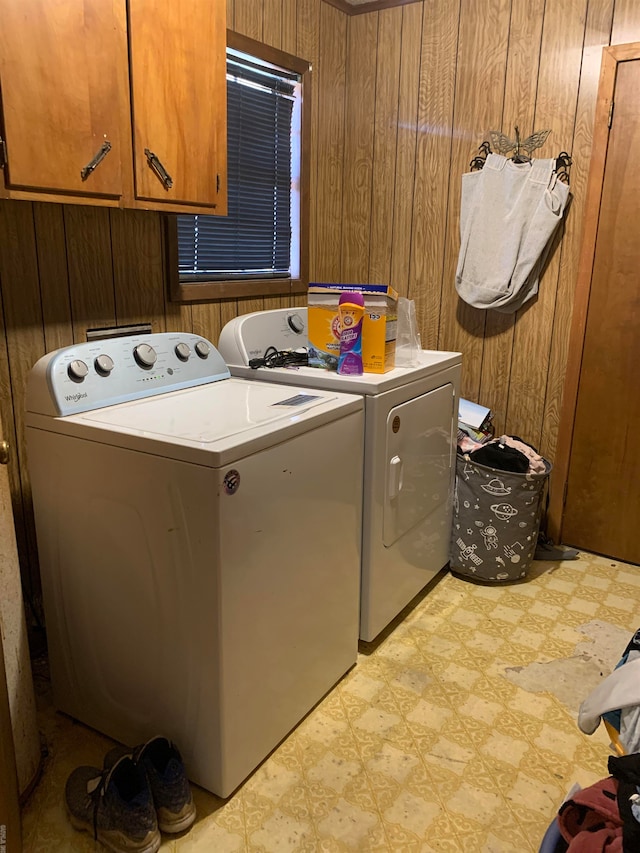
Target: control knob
[[145, 355], [202, 349], [103, 364], [183, 352], [295, 323], [77, 370]]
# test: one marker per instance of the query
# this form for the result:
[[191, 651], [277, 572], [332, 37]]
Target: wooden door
[[179, 104], [63, 73], [602, 511], [9, 803], [16, 670]]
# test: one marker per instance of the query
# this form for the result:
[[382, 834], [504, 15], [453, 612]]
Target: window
[[261, 246]]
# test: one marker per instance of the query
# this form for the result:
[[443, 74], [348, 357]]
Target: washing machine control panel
[[105, 372]]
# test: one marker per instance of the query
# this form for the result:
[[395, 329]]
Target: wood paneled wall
[[401, 99], [425, 84]]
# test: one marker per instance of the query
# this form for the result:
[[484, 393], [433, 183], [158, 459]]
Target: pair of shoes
[[162, 764], [136, 795], [115, 805]]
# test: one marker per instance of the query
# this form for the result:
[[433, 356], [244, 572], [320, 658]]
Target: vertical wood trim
[[288, 43], [290, 26], [560, 59], [409, 84], [599, 18], [272, 23], [249, 17], [385, 146], [90, 269], [583, 286], [438, 59], [331, 144], [272, 35], [483, 42], [308, 48], [8, 420], [51, 247], [228, 310], [523, 58], [178, 316], [136, 246], [358, 149], [626, 22], [206, 321], [25, 345]]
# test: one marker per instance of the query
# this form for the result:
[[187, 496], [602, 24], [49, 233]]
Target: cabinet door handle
[[159, 169], [102, 153]]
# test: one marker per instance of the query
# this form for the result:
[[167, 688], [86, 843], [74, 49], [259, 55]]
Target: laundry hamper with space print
[[496, 518]]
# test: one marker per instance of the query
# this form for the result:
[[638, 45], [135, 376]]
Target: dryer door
[[419, 458]]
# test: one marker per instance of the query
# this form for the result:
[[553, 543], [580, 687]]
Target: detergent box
[[378, 329]]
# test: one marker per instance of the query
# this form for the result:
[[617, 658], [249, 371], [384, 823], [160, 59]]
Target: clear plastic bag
[[407, 336]]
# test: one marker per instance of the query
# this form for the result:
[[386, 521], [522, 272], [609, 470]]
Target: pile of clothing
[[506, 453], [616, 700], [605, 817]]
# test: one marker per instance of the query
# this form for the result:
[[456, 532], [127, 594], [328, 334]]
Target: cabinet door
[[63, 68], [178, 88]]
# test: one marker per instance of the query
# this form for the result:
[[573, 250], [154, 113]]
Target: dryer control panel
[[105, 372], [250, 335]]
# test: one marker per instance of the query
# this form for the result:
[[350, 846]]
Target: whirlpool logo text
[[73, 398]]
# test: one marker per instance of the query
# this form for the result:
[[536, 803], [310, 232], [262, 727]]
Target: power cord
[[280, 358]]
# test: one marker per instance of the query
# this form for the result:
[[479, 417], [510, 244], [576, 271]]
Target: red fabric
[[607, 840], [594, 808]]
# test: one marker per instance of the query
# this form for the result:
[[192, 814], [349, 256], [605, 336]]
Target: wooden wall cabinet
[[114, 102]]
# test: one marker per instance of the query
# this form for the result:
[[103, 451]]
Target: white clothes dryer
[[411, 417], [199, 540]]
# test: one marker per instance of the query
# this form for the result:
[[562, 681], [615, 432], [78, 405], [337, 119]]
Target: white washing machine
[[411, 418], [199, 540]]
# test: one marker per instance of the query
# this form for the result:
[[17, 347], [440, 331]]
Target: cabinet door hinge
[[3, 153], [217, 183], [564, 492], [610, 119]]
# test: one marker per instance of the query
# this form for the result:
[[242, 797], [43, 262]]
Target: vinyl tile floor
[[456, 731]]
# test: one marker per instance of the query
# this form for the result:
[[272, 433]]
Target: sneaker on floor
[[162, 763], [115, 805]]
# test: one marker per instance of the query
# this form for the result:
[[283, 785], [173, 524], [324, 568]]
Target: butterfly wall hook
[[522, 148]]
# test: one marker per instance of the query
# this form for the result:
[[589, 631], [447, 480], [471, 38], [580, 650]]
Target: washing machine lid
[[212, 424], [211, 414]]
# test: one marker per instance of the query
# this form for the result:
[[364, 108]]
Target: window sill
[[210, 291]]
